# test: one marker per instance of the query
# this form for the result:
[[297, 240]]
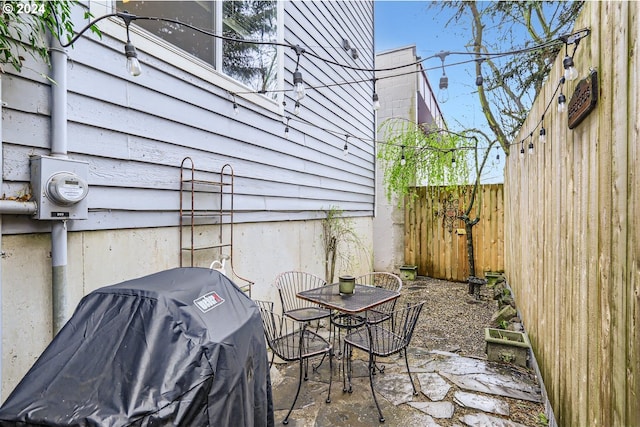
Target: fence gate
[[436, 241]]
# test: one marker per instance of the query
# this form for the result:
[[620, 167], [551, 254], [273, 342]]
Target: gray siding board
[[357, 110], [142, 199], [142, 173], [31, 130], [135, 132], [110, 219], [15, 99], [190, 132]]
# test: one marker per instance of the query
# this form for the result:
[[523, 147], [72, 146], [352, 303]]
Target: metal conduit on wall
[[59, 286]]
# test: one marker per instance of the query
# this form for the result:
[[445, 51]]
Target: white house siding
[[134, 133]]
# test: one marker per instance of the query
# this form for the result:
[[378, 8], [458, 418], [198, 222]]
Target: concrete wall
[[101, 258], [407, 97]]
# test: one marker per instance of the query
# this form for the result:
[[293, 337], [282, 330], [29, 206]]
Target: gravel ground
[[451, 320]]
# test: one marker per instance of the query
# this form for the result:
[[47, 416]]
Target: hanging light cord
[[551, 99], [572, 38]]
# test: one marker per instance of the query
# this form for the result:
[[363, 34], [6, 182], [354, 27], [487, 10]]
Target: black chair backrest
[[381, 279], [395, 333], [282, 333], [289, 283]]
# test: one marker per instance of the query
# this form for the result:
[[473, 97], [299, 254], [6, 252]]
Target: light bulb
[[521, 152], [443, 93], [236, 110], [479, 80], [298, 85], [543, 135], [133, 65], [286, 132], [345, 149], [562, 103], [376, 102], [296, 109], [403, 161], [570, 72], [530, 147]]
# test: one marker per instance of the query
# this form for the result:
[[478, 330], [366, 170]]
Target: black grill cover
[[183, 347]]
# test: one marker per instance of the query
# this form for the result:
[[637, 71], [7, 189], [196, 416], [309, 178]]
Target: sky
[[404, 23]]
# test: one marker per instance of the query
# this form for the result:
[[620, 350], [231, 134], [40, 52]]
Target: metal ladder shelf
[[190, 216]]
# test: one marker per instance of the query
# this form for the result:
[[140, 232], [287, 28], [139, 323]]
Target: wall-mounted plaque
[[584, 99]]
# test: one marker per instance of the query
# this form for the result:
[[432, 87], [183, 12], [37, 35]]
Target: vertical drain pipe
[[1, 251], [59, 286]]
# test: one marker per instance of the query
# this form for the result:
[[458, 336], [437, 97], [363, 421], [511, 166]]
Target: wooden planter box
[[507, 346], [409, 272]]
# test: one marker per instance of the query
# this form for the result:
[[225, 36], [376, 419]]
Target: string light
[[133, 65], [296, 109], [345, 149], [286, 129], [479, 78], [375, 98], [531, 143], [497, 153], [572, 38], [298, 85], [298, 82], [543, 131], [443, 92], [403, 160], [376, 101], [570, 72]]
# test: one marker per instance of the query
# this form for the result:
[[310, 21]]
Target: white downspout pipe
[[59, 286], [1, 251]]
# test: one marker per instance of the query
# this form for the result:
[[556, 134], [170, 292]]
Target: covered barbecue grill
[[183, 347]]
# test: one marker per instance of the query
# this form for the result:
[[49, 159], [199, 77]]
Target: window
[[255, 65]]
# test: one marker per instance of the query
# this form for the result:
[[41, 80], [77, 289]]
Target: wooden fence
[[572, 225], [435, 239]]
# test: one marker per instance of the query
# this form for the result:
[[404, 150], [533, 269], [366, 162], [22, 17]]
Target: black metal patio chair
[[381, 280], [289, 283], [340, 321], [291, 340], [383, 339]]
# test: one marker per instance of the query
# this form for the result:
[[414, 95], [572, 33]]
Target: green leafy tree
[[413, 155], [24, 27], [511, 83], [252, 63]]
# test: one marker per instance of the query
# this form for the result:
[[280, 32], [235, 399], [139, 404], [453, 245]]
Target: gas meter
[[59, 187]]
